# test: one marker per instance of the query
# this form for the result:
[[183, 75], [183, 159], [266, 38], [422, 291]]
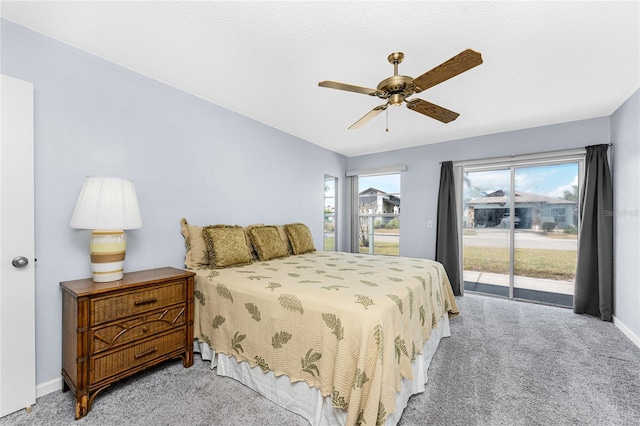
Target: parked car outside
[[505, 222]]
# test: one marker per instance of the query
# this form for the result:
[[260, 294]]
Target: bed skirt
[[307, 401]]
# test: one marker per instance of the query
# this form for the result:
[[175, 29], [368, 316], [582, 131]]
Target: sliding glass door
[[486, 238], [520, 231], [546, 235]]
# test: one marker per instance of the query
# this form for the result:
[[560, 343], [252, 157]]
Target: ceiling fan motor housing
[[395, 89]]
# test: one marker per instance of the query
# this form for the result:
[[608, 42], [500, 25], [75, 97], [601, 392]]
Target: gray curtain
[[447, 228], [593, 293]]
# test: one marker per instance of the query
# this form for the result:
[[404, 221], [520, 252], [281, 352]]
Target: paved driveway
[[523, 239]]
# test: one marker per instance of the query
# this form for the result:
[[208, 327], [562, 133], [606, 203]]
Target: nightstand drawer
[[124, 305], [112, 364], [136, 328]]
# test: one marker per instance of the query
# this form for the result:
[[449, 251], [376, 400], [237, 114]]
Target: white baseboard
[[46, 388], [627, 331]]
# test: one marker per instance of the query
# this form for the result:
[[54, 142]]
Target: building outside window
[[379, 214], [330, 223]]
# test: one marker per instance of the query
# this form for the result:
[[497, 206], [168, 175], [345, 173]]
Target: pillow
[[227, 246], [267, 242], [284, 238], [247, 230], [197, 256], [300, 237]]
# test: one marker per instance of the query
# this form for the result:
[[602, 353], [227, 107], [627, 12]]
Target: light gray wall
[[420, 187], [188, 158], [421, 180], [625, 135]]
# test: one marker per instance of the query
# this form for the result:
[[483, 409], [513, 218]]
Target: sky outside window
[[551, 181], [386, 183]]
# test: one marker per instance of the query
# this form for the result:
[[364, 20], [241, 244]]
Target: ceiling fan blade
[[368, 116], [432, 110], [457, 65], [347, 87]]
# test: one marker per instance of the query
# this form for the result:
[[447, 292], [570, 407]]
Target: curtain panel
[[593, 292], [352, 181], [447, 249]]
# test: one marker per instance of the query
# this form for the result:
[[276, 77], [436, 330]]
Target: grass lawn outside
[[386, 248], [389, 249], [535, 263], [329, 243]]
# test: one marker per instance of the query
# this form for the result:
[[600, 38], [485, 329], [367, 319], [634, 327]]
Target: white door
[[17, 282]]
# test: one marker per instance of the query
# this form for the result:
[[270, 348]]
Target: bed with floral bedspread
[[347, 324]]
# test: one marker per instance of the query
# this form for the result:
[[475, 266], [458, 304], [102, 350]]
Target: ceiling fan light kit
[[397, 88]]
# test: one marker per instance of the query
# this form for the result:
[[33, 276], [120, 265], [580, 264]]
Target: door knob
[[20, 262]]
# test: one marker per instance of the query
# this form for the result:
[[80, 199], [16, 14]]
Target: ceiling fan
[[398, 88]]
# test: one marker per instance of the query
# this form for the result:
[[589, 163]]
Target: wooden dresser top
[[130, 280]]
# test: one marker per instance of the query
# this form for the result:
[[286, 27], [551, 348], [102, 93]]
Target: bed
[[339, 338]]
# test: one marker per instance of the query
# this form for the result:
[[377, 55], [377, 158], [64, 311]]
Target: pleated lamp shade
[[107, 203], [108, 206]]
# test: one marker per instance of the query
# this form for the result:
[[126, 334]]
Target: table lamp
[[108, 206]]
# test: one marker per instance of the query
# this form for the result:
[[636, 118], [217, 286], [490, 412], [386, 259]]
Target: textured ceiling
[[544, 62]]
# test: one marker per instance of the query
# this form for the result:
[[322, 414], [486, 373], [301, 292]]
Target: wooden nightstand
[[115, 329]]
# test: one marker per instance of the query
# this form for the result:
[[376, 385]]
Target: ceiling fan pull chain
[[387, 119]]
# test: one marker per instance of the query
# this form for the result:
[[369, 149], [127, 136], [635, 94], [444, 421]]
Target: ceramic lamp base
[[107, 249]]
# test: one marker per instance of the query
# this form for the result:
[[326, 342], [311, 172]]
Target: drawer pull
[[145, 353], [144, 302]]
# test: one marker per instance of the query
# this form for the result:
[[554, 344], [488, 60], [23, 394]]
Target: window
[[559, 215], [330, 201], [379, 214]]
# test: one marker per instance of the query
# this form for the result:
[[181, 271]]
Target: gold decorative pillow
[[247, 230], [227, 246], [197, 256], [300, 237], [267, 242], [284, 238]]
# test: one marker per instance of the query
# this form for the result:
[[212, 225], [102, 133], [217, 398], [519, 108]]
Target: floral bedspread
[[348, 324]]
